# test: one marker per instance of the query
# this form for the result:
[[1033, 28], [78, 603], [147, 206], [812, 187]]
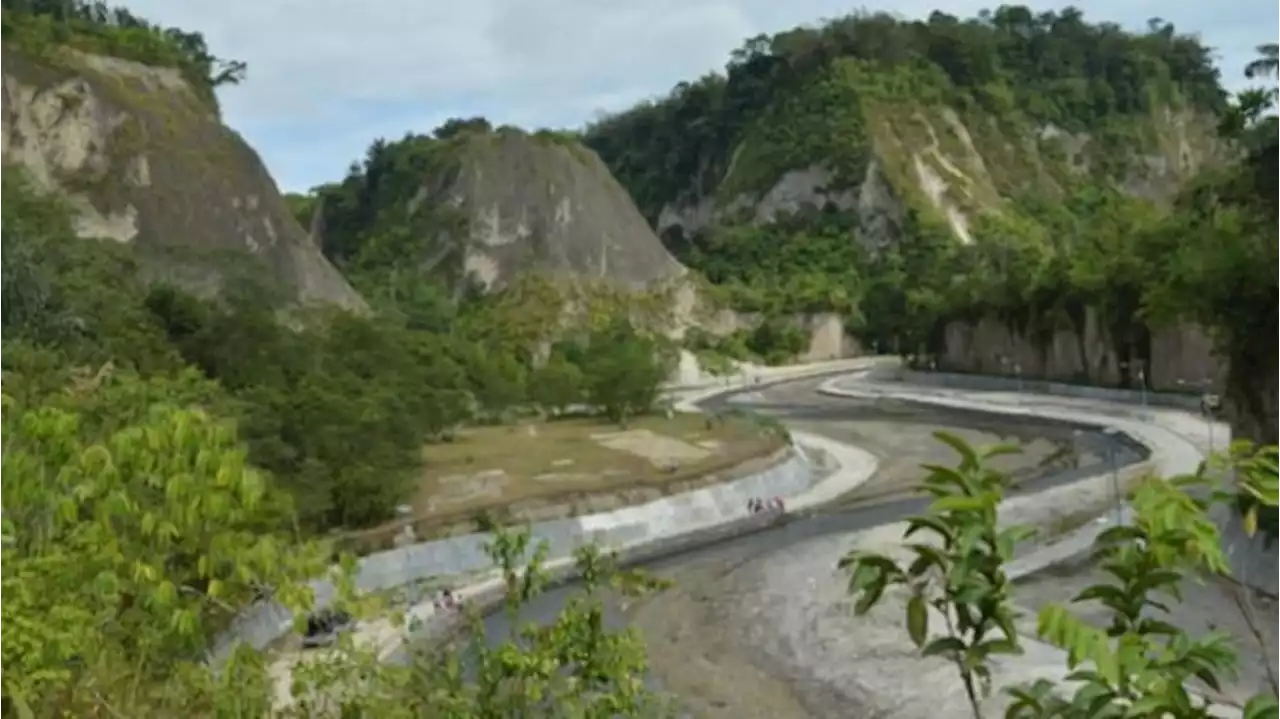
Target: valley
[[699, 402]]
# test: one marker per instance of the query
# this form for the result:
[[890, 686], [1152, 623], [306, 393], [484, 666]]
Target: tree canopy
[[1054, 66], [171, 457], [44, 27]]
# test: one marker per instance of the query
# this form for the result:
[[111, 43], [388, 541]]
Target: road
[[732, 638]]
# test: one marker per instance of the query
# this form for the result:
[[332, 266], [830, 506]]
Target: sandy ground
[[747, 634], [901, 434]]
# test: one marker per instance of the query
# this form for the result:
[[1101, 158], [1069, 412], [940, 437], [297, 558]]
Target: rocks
[[142, 159]]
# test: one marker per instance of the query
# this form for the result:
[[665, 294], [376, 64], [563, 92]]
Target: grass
[[544, 470]]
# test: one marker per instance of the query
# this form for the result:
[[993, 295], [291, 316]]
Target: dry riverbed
[[747, 634]]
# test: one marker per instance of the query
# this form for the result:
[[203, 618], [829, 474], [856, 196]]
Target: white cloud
[[327, 76]]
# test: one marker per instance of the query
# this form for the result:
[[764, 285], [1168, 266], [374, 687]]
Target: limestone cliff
[[952, 165], [145, 161], [488, 206], [538, 204], [951, 185]]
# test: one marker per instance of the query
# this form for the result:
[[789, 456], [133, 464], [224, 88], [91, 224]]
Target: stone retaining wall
[[1177, 353], [996, 383]]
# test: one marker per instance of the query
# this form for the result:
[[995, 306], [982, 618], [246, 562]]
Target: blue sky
[[326, 77]]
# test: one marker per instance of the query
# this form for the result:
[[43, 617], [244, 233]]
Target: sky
[[327, 77]]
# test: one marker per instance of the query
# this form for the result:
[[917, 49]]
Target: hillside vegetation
[[470, 209], [48, 29], [170, 457], [1024, 166], [119, 117]]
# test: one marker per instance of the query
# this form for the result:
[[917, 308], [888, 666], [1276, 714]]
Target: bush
[[624, 371], [557, 385]]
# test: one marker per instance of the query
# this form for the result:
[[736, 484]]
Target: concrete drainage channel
[[673, 520], [660, 527], [1173, 437], [672, 525]]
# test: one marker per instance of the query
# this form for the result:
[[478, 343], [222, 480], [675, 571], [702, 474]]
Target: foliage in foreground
[[128, 546], [572, 666], [132, 538], [335, 406], [1141, 666]]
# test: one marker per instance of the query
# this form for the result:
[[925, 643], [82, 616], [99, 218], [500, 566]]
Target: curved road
[[721, 640]]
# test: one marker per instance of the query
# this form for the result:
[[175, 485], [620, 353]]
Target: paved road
[[701, 633]]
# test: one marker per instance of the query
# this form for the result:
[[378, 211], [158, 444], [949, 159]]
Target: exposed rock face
[[828, 337], [534, 203], [931, 159], [955, 168], [144, 161], [1182, 358]]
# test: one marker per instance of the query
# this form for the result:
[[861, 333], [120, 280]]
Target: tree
[[1137, 667], [127, 544], [624, 371], [1265, 65], [28, 291], [456, 125], [496, 379], [556, 385]]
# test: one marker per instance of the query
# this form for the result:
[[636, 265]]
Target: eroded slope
[[145, 161]]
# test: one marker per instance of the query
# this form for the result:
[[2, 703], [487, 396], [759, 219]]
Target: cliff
[[480, 208], [144, 159], [952, 186], [890, 124], [959, 168]]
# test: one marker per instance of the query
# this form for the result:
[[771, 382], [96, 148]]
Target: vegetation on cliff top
[[44, 28], [942, 96], [162, 454], [1041, 237], [1050, 68]]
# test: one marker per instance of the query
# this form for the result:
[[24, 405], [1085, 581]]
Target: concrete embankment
[[1171, 426], [1170, 454], [868, 670], [816, 469]]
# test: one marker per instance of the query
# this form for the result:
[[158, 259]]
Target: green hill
[[1019, 176], [118, 117], [883, 134]]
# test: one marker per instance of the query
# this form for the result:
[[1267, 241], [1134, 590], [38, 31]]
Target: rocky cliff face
[[931, 159], [145, 162], [539, 204], [1182, 358], [960, 171]]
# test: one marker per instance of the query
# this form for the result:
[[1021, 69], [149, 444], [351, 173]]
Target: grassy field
[[534, 471]]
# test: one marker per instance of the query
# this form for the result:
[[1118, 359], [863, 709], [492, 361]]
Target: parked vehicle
[[324, 627]]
